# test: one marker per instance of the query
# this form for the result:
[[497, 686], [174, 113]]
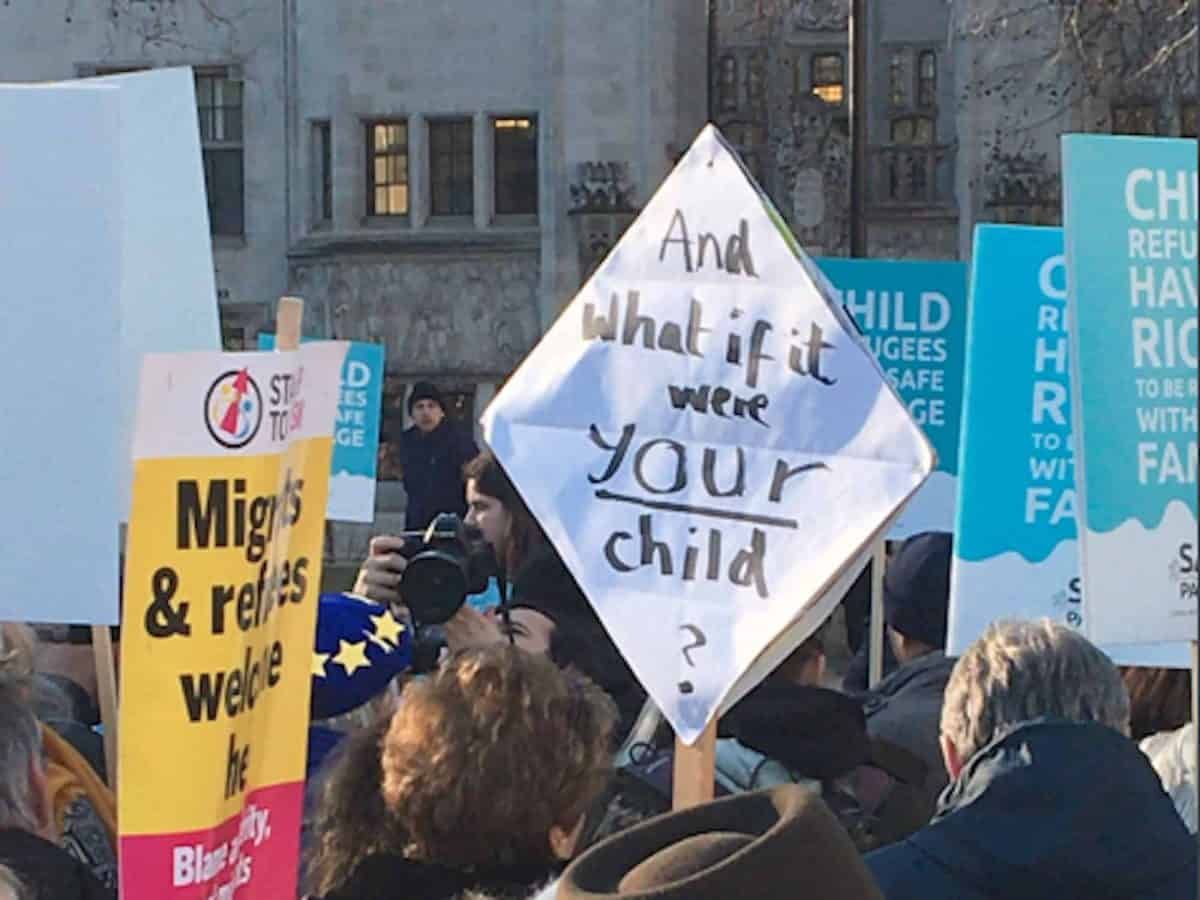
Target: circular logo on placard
[[233, 409]]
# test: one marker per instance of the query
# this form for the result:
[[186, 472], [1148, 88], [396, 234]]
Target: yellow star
[[352, 656], [386, 629], [318, 664]]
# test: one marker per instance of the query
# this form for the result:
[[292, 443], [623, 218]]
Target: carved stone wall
[[601, 209], [434, 315], [810, 180]]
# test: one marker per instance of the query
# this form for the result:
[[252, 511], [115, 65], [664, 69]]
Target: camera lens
[[434, 587]]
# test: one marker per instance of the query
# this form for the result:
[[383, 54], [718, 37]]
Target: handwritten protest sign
[[60, 256], [1130, 220], [1015, 551], [223, 571], [704, 438], [914, 318], [355, 433]]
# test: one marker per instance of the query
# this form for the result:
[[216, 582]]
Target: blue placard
[[1015, 548], [913, 316], [1130, 215], [1016, 554], [356, 432]]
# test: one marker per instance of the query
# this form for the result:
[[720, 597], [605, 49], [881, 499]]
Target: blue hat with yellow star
[[360, 648]]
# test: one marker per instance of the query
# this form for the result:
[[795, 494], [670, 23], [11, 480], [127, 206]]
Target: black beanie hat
[[424, 390], [916, 588]]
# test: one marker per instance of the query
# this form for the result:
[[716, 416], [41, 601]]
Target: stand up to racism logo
[[233, 409]]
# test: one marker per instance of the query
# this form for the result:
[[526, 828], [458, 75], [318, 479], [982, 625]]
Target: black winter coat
[[48, 872], [433, 466], [1053, 810]]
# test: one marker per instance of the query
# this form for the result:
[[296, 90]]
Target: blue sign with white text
[[355, 434], [1130, 218], [1016, 554], [913, 316]]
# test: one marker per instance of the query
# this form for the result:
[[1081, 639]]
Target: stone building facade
[[966, 101], [780, 89], [440, 177], [434, 177]]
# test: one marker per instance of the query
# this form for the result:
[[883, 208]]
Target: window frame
[[371, 155], [1185, 106], [921, 102], [211, 146], [815, 86], [467, 124], [727, 83], [1135, 107], [514, 215], [322, 146], [915, 118], [900, 73]]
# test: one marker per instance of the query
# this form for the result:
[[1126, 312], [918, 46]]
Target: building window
[[756, 77], [749, 141], [913, 130], [387, 168], [900, 76], [451, 167], [828, 77], [1189, 119], [1140, 118], [727, 84], [219, 103], [515, 147], [323, 168], [233, 338], [927, 79]]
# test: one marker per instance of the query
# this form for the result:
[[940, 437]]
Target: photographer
[[546, 610]]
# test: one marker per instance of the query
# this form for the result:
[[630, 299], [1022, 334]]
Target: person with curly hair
[[479, 782]]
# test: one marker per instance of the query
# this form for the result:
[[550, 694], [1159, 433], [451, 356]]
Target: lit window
[[387, 168], [829, 77]]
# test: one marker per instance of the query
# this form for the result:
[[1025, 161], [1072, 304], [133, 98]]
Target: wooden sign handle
[[106, 687], [876, 637], [695, 769], [288, 317]]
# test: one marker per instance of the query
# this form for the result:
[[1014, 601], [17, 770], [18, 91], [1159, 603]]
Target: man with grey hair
[[1049, 797]]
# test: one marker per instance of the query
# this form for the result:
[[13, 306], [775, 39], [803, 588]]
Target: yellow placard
[[222, 577]]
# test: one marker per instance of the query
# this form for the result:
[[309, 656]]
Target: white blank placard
[[60, 211]]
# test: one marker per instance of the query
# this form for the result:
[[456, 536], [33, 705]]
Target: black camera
[[447, 561]]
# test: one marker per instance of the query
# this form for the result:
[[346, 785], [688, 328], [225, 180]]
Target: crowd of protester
[[525, 761]]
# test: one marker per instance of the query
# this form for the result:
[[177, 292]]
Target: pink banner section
[[253, 855]]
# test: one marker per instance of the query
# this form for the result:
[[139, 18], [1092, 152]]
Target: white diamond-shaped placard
[[705, 441]]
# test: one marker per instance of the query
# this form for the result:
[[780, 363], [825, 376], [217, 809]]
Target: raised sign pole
[[695, 769]]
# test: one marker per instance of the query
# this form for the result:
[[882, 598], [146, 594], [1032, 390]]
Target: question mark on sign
[[698, 640]]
